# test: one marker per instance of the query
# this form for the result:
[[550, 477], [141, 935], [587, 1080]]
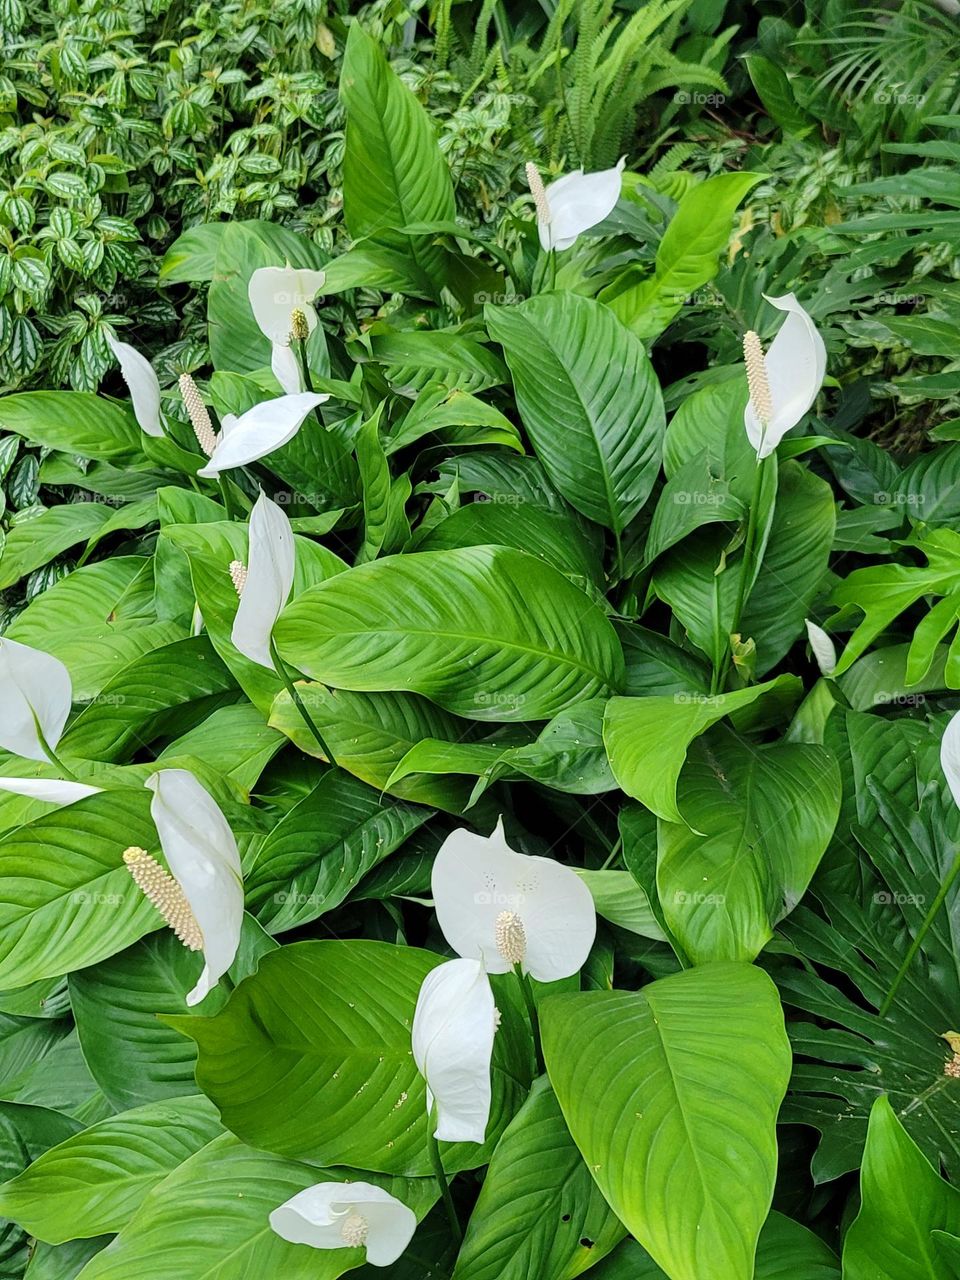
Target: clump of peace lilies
[[500, 911]]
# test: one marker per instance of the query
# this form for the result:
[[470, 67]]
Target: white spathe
[[51, 790], [454, 1025], [261, 430], [286, 368], [276, 292], [824, 650], [142, 383], [343, 1215], [796, 365], [950, 756], [577, 202], [35, 693], [271, 560], [202, 855], [486, 894]]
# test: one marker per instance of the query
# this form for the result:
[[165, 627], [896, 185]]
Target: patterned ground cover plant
[[482, 806]]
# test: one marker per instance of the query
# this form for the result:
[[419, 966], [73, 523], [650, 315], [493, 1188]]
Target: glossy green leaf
[[671, 1094], [94, 1181], [589, 400], [487, 632], [311, 1059]]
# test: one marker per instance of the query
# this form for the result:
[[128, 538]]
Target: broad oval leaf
[[671, 1094], [589, 400], [312, 1059], [487, 632]]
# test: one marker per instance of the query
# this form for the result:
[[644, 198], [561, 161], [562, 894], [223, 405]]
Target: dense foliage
[[474, 593]]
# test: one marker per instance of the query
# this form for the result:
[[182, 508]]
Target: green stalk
[[922, 933], [52, 756], [527, 992], [746, 567], [227, 500], [434, 1148], [301, 345], [282, 671]]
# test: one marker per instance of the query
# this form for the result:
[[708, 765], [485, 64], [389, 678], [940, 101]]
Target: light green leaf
[[487, 632], [394, 174], [311, 1059], [76, 422], [537, 1204], [903, 1200], [66, 898], [766, 815], [589, 400], [671, 1094], [94, 1182], [647, 738], [35, 542]]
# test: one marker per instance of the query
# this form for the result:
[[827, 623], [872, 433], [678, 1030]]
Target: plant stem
[[281, 670], [746, 568], [227, 500], [613, 853], [434, 1148], [527, 992], [921, 934], [301, 344], [52, 756]]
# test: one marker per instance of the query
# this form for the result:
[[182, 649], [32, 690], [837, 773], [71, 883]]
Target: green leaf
[[66, 898], [370, 733], [777, 96], [687, 256], [94, 1182], [191, 257], [766, 815], [321, 849], [311, 1059], [96, 621], [394, 174], [647, 738], [671, 1094], [74, 421], [589, 400], [418, 360], [35, 542], [903, 1200], [131, 708], [385, 524], [210, 1217], [487, 632], [537, 1204], [133, 1056]]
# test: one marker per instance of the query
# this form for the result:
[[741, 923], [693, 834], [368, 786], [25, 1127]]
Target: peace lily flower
[[573, 204], [265, 582], [262, 429], [202, 901], [507, 908], [142, 383], [453, 1028], [824, 650], [198, 414], [950, 756], [347, 1215], [785, 382], [52, 790], [35, 697], [276, 292]]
